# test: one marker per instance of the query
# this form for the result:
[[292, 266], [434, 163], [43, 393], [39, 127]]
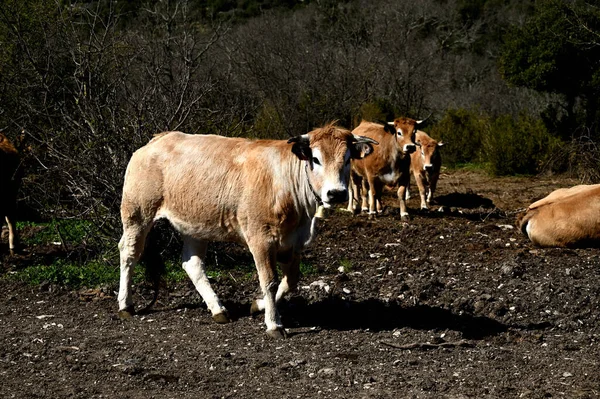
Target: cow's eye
[[316, 161]]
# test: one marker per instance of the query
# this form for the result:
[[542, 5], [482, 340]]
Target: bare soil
[[453, 304]]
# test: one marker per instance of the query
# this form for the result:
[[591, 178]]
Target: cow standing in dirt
[[260, 193], [388, 165], [425, 164], [567, 217], [9, 185]]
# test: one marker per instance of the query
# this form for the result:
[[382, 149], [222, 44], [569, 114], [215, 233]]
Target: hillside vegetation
[[511, 85]]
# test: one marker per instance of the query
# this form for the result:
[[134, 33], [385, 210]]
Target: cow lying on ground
[[388, 165], [260, 193], [568, 217], [425, 164], [9, 184]]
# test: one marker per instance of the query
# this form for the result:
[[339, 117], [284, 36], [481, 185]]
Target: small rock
[[326, 372], [506, 226]]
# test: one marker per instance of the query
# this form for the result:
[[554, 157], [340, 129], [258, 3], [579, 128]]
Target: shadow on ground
[[375, 315], [467, 200]]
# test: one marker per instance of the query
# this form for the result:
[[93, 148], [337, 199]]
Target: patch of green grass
[[346, 264], [69, 274], [307, 269], [69, 231]]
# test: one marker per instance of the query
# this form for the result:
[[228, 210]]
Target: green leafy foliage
[[557, 50], [461, 131], [518, 146], [504, 145]]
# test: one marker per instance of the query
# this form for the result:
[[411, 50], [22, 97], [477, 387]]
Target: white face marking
[[317, 161], [333, 179]]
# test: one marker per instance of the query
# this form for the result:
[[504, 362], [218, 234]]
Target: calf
[[425, 165], [260, 193], [388, 165], [565, 218], [9, 184]]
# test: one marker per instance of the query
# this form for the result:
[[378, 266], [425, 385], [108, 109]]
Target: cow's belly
[[390, 178], [222, 229]]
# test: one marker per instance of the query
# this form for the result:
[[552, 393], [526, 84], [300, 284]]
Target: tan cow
[[9, 184], [568, 217], [388, 165], [425, 164], [260, 193]]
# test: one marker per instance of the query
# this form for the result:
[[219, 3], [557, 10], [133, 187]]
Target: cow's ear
[[361, 147], [389, 127], [301, 147]]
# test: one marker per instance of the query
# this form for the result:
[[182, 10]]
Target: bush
[[461, 131], [517, 146]]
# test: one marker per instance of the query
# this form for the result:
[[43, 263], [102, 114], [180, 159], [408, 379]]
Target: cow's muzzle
[[409, 148], [337, 196]]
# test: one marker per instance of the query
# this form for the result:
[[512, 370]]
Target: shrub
[[461, 131], [517, 146]]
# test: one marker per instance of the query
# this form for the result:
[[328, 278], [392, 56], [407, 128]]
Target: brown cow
[[388, 165], [260, 193], [425, 164], [9, 184], [565, 218]]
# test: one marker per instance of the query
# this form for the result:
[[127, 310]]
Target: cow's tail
[[523, 220], [155, 267]]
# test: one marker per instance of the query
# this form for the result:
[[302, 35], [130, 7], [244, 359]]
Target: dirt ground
[[453, 304]]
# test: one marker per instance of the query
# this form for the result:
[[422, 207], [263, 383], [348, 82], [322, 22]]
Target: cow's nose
[[410, 148], [337, 195]]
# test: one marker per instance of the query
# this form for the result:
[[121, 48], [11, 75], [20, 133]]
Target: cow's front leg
[[402, 202], [289, 282], [352, 192], [265, 260], [193, 255], [423, 189], [433, 179]]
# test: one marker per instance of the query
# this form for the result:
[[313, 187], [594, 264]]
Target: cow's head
[[406, 128], [429, 149], [327, 152]]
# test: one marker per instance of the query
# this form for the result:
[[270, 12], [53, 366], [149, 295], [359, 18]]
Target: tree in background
[[557, 51]]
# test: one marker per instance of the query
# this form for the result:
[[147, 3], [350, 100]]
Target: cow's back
[[380, 160], [208, 186]]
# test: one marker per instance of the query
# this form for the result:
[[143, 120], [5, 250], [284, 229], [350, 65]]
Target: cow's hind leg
[[131, 247], [193, 257]]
